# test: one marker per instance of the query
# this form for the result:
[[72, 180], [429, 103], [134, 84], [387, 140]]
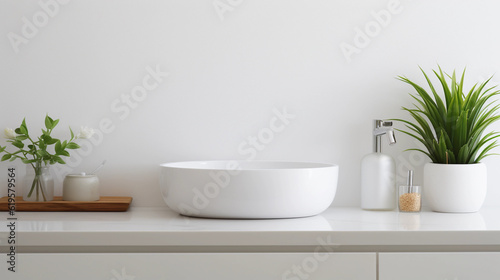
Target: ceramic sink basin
[[248, 189]]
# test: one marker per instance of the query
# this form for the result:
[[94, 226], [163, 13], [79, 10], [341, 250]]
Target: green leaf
[[442, 149], [439, 102], [48, 122], [463, 154], [72, 145], [42, 145], [54, 124], [6, 157], [49, 140], [63, 153], [58, 147], [41, 153], [58, 160], [484, 153], [18, 144], [28, 161], [450, 157], [23, 129], [21, 137]]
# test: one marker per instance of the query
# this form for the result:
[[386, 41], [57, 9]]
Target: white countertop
[[336, 227]]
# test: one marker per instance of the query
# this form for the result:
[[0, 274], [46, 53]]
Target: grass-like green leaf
[[452, 128]]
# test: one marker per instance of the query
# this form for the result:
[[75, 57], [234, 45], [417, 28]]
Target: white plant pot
[[455, 188]]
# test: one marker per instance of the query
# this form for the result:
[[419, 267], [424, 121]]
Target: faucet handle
[[382, 123], [387, 123]]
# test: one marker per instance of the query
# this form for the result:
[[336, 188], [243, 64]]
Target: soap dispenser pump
[[378, 172]]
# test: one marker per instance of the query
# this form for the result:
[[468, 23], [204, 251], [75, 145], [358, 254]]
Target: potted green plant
[[40, 153], [454, 133]]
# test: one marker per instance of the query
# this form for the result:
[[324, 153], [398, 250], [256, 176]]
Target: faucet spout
[[391, 137]]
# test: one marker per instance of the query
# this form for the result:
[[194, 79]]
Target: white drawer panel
[[192, 266], [439, 266]]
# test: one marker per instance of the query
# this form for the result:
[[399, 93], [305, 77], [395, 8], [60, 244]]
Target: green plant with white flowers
[[41, 151]]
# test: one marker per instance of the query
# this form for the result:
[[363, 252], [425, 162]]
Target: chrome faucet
[[380, 128]]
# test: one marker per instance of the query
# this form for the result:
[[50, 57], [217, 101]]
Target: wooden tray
[[104, 204]]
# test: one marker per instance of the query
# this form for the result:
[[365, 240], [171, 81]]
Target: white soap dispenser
[[378, 172]]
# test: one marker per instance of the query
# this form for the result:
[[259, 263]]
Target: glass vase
[[39, 184]]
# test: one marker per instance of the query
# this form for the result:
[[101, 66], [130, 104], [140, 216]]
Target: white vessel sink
[[248, 189]]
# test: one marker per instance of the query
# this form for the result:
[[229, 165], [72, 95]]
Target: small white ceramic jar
[[81, 187]]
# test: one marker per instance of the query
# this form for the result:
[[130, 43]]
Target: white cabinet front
[[439, 266], [192, 266]]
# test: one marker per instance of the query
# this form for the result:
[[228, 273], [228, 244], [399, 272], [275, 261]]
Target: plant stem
[[37, 184], [42, 191], [32, 186], [36, 178]]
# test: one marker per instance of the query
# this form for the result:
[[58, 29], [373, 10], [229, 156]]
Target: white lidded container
[[81, 187], [378, 173]]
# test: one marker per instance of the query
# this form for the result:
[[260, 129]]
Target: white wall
[[229, 69]]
